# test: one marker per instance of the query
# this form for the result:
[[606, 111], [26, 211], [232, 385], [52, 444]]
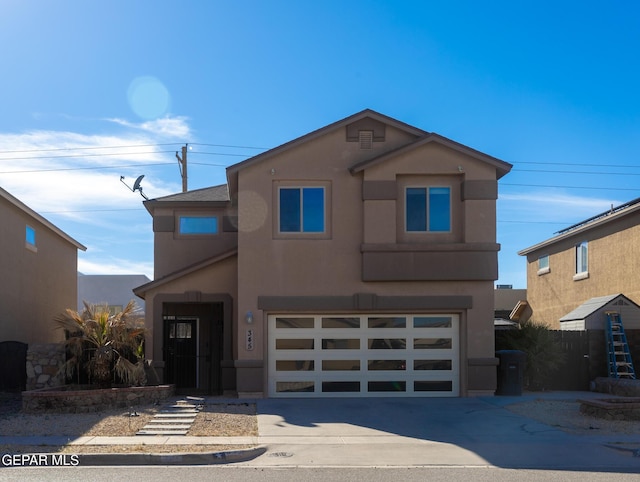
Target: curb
[[189, 458]]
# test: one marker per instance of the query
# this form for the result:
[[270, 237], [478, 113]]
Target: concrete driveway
[[429, 431]]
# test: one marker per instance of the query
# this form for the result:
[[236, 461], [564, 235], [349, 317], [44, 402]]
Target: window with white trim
[[582, 261], [428, 209], [543, 264]]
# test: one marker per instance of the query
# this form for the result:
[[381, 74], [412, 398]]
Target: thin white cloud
[[551, 206], [166, 127], [114, 266]]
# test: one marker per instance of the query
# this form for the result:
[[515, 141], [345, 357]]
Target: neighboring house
[[509, 306], [594, 258], [38, 270], [356, 260], [114, 290], [39, 266]]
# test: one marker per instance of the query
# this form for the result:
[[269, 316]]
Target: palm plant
[[108, 340]]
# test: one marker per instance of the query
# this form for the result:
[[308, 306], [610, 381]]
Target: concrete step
[[161, 432]]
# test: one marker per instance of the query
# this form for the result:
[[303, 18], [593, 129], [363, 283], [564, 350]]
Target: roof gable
[[30, 212], [593, 305], [502, 167]]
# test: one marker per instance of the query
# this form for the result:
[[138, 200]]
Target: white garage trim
[[381, 355]]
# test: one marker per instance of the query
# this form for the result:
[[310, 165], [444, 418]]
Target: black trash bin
[[510, 371]]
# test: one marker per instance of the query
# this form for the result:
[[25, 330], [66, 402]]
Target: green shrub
[[544, 353]]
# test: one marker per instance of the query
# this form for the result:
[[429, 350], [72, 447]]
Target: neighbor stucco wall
[[613, 251], [35, 285]]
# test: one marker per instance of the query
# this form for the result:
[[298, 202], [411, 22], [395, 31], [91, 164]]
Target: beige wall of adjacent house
[[36, 283], [270, 264], [613, 251]]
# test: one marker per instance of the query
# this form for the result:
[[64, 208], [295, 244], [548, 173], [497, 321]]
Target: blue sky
[[548, 86]]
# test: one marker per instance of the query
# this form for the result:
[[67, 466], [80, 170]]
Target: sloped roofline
[[141, 290], [592, 305], [206, 196], [583, 227], [27, 210], [502, 167], [232, 171]]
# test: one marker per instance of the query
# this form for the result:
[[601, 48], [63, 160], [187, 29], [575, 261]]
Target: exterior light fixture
[[249, 317]]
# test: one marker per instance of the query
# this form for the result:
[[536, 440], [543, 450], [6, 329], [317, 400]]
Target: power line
[[88, 148], [571, 187], [93, 168]]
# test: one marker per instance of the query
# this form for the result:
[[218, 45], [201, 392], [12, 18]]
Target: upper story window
[[428, 209], [543, 264], [194, 225], [301, 209], [30, 238], [582, 261]]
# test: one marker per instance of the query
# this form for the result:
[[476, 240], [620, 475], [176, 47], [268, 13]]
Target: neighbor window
[[428, 209], [30, 237], [543, 264], [302, 209], [582, 264], [198, 225]]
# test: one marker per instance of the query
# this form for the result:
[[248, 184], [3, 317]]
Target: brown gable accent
[[367, 124], [479, 190], [379, 191]]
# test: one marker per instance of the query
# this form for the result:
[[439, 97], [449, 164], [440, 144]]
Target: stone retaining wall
[[617, 386], [74, 399], [44, 361]]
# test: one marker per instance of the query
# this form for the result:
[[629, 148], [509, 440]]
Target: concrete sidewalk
[[388, 432]]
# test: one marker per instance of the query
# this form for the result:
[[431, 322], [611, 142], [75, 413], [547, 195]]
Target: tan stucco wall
[[173, 252], [35, 286], [613, 253]]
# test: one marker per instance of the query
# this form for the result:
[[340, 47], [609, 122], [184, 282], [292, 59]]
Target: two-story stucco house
[[356, 260], [594, 258], [38, 270], [38, 267]]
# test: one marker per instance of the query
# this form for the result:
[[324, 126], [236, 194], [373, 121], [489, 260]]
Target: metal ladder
[[620, 363]]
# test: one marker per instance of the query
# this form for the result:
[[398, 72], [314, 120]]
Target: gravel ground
[[236, 420], [215, 419], [565, 415]]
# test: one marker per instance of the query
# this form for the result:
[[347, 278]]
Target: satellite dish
[[136, 185]]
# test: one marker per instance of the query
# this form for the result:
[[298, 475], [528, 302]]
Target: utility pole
[[182, 164]]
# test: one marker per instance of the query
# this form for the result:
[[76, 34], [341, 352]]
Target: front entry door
[[181, 337]]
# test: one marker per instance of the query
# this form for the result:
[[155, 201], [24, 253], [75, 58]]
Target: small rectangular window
[[582, 264], [30, 237], [302, 210], [543, 264], [198, 225], [428, 209]]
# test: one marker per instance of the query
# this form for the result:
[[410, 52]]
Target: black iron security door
[[181, 342]]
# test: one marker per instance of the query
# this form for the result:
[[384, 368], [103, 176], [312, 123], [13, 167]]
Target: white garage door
[[363, 355]]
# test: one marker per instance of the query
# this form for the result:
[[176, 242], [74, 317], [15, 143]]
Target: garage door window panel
[[432, 365], [295, 344], [340, 365], [295, 365], [340, 323], [387, 343], [387, 322], [341, 387], [340, 344], [432, 344]]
